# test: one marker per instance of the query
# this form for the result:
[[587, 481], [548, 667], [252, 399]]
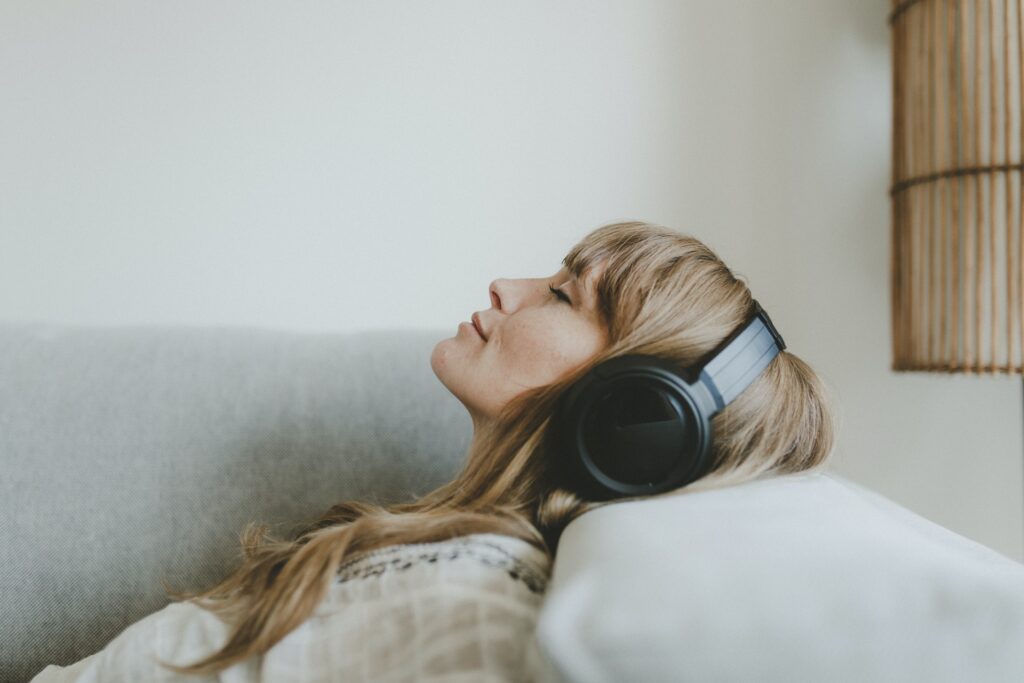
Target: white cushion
[[805, 577]]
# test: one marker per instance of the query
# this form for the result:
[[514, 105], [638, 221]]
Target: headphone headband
[[741, 358]]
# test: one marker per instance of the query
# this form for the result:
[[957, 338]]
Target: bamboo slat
[[957, 235]]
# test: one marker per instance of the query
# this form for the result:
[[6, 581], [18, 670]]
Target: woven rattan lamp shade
[[956, 275]]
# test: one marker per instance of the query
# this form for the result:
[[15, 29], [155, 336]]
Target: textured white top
[[458, 610]]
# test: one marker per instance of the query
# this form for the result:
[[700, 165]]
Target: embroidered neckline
[[401, 557]]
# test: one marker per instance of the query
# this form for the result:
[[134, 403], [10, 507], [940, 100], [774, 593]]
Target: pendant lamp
[[956, 274]]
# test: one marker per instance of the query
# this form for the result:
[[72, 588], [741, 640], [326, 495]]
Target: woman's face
[[533, 337]]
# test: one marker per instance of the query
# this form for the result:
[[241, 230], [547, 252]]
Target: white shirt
[[458, 610]]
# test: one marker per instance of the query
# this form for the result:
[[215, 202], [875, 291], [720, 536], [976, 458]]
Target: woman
[[626, 288]]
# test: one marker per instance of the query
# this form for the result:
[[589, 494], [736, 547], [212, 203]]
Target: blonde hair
[[661, 293]]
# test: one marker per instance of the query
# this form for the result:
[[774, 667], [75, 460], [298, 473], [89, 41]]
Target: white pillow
[[805, 577]]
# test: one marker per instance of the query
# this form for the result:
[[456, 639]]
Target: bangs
[[619, 247]]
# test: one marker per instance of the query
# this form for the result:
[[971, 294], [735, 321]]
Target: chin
[[437, 357], [440, 358]]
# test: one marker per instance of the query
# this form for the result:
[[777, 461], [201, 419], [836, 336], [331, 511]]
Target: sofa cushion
[[805, 577]]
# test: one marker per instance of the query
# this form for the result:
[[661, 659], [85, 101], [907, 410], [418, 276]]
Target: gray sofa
[[131, 454]]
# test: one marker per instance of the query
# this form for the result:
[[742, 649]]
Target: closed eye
[[560, 294]]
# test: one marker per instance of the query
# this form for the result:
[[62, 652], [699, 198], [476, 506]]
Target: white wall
[[344, 165]]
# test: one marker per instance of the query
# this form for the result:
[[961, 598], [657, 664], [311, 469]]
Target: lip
[[477, 326]]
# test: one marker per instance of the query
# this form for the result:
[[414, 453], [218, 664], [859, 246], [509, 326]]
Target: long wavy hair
[[661, 293]]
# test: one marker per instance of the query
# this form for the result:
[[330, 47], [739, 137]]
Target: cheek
[[541, 352]]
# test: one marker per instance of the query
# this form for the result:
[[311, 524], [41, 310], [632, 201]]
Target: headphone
[[640, 425]]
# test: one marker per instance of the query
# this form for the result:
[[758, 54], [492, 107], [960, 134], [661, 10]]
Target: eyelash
[[560, 294]]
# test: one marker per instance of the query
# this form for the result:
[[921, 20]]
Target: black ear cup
[[633, 428], [641, 419], [639, 425]]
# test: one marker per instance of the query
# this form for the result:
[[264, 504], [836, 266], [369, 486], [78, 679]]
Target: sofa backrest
[[134, 454]]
